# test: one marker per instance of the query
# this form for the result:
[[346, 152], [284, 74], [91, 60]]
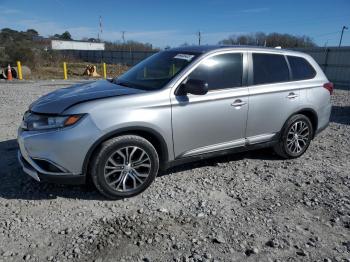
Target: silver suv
[[176, 106]]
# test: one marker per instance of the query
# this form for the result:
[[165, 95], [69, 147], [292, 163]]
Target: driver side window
[[221, 71]]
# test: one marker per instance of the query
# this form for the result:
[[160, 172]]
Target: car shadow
[[262, 154], [340, 115], [15, 184]]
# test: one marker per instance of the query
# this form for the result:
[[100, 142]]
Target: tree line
[[269, 40], [34, 50]]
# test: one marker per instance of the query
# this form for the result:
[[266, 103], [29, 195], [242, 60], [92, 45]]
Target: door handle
[[238, 103], [292, 95]]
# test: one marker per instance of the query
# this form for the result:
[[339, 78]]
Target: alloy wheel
[[298, 137], [127, 168]]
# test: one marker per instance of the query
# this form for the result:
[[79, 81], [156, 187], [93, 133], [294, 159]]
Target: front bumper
[[40, 177], [57, 155]]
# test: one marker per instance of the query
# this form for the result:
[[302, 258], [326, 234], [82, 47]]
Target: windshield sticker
[[184, 56]]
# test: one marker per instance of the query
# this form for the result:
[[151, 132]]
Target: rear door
[[273, 96]]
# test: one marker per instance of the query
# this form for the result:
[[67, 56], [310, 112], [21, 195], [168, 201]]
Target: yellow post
[[65, 70], [19, 69], [104, 71]]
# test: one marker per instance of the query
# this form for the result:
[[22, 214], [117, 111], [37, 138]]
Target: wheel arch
[[312, 115], [308, 112], [151, 135]]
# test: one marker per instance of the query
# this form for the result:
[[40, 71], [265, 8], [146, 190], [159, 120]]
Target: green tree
[[65, 36], [32, 32]]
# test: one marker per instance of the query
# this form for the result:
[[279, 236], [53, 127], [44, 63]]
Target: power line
[[325, 34]]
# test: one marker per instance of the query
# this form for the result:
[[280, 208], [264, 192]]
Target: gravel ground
[[246, 207]]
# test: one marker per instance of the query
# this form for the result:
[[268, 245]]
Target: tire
[[124, 166], [295, 138]]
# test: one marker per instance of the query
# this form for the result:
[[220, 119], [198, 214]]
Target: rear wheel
[[124, 166], [295, 137]]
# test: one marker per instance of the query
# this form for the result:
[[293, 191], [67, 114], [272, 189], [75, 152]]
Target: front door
[[216, 120]]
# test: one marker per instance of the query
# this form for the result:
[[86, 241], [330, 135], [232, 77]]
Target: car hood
[[58, 101]]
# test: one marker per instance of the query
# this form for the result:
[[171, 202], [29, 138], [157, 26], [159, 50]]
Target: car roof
[[212, 48]]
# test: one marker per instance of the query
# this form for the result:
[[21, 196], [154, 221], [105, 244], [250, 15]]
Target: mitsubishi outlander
[[176, 106]]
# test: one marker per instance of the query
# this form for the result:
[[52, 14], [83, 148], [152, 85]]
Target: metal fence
[[129, 58], [335, 61]]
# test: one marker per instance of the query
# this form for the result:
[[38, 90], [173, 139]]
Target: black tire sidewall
[[105, 152]]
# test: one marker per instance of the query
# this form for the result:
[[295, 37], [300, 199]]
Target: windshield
[[156, 71]]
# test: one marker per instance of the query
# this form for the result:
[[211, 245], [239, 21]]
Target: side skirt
[[184, 160]]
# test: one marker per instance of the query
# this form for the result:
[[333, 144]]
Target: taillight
[[329, 86]]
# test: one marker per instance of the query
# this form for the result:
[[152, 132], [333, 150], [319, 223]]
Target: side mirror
[[194, 87]]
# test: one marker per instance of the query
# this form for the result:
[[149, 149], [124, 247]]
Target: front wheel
[[124, 166], [295, 137]]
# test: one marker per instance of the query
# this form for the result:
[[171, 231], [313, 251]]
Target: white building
[[76, 45]]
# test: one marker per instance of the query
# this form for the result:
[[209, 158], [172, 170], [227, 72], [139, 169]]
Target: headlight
[[40, 122]]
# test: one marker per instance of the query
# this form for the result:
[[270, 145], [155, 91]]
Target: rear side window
[[301, 68], [269, 68], [220, 71]]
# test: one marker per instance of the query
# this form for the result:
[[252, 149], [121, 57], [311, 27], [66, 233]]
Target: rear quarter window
[[301, 68], [269, 68]]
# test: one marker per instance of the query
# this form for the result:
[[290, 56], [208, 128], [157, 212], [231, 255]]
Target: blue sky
[[174, 22]]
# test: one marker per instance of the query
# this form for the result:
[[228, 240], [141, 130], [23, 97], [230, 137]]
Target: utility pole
[[99, 35], [124, 47], [123, 36], [199, 37], [342, 32]]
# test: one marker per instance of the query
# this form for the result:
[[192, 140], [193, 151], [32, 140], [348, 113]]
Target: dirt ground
[[249, 206]]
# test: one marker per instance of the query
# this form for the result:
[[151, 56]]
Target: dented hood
[[58, 101]]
